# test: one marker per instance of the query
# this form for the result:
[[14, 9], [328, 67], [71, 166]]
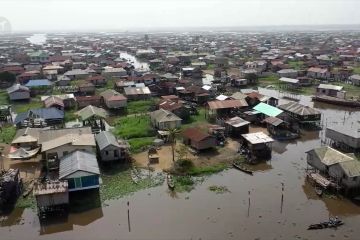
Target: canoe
[[337, 101], [329, 224], [170, 182], [242, 168]]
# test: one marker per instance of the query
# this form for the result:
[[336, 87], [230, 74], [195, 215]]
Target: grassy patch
[[20, 107], [70, 115], [28, 202], [297, 65], [134, 127], [195, 120], [207, 170], [139, 144], [268, 80], [357, 70], [218, 189], [4, 99], [142, 106], [7, 134], [184, 183]]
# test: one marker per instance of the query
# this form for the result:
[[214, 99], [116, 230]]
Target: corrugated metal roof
[[268, 109], [78, 161], [38, 83], [299, 109], [330, 156], [351, 168], [213, 105], [257, 138], [163, 115], [90, 111], [330, 87], [237, 122], [289, 80], [104, 139]]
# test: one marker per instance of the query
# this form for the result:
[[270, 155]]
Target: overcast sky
[[85, 15]]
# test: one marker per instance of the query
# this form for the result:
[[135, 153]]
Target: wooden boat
[[242, 168], [170, 182], [332, 223], [337, 101]]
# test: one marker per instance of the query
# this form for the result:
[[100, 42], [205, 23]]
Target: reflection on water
[[134, 61], [203, 214], [37, 39]]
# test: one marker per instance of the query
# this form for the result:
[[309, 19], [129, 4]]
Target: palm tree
[[173, 133]]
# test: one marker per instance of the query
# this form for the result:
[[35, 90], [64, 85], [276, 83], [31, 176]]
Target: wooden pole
[[248, 213], [128, 213], [282, 197]]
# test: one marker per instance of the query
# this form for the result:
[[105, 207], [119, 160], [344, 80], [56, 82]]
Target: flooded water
[[252, 210], [134, 61], [37, 39]]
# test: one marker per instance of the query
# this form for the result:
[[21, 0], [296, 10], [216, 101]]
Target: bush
[[183, 165], [134, 127]]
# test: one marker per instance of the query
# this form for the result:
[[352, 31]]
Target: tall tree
[[173, 133]]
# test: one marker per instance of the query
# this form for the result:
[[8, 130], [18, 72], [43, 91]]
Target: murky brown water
[[201, 214]]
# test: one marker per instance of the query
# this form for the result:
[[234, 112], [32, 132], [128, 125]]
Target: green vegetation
[[7, 77], [20, 107], [137, 129], [70, 115], [219, 189], [28, 202], [195, 120], [268, 80], [134, 127], [210, 66], [4, 99], [357, 70], [141, 106], [139, 144], [184, 183], [117, 182], [187, 167], [207, 170], [297, 65], [7, 133]]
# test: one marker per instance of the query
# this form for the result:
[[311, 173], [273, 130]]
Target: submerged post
[[282, 197], [128, 213], [249, 205]]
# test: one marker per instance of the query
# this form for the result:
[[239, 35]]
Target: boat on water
[[243, 168], [332, 223], [170, 182], [337, 101]]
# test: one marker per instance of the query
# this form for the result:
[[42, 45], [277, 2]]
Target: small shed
[[94, 117], [109, 148], [236, 126], [198, 139], [258, 145], [113, 100], [163, 119]]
